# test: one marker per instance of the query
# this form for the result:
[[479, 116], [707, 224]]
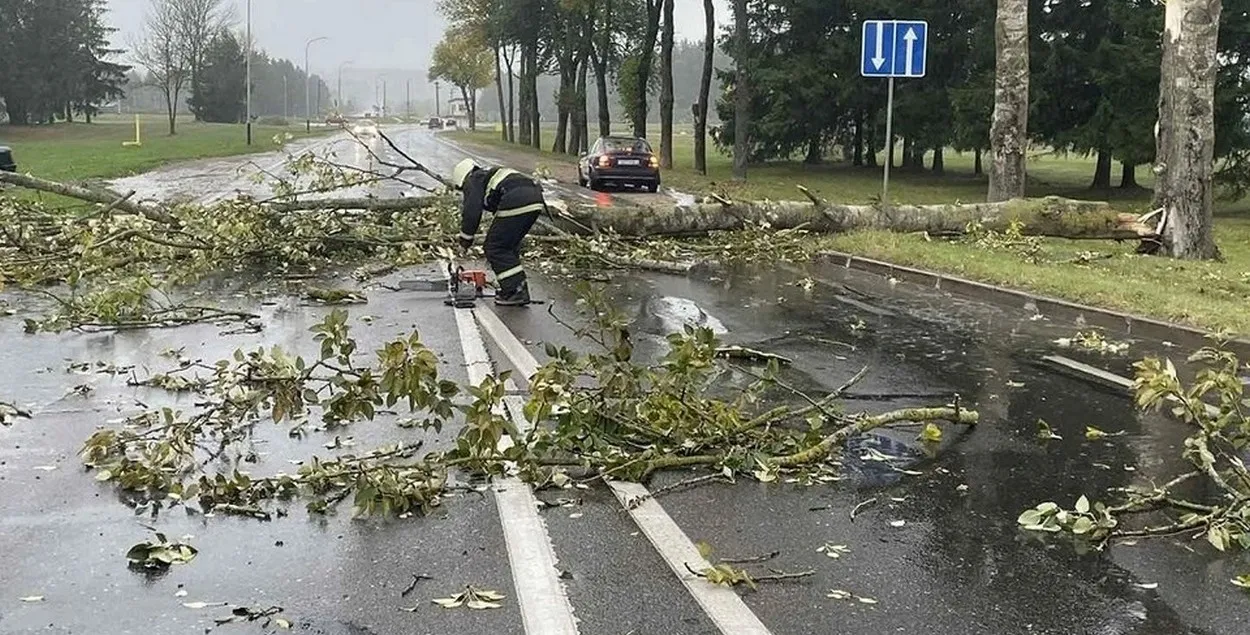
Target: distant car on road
[[365, 129], [434, 123], [6, 159], [451, 123], [336, 120], [619, 161]]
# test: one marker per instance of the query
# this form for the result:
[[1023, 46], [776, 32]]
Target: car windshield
[[626, 145]]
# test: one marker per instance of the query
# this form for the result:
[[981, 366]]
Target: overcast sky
[[393, 34]]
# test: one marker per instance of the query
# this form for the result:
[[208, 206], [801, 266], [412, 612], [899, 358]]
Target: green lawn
[[94, 151], [1213, 295]]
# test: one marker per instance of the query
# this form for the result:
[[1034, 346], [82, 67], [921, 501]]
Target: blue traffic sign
[[894, 48]]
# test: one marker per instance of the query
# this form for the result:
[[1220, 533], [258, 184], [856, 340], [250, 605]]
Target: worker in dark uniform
[[516, 201]]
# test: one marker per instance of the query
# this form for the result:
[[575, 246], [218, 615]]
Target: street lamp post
[[340, 89], [307, 85], [248, 108]]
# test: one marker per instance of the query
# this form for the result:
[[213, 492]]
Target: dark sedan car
[[6, 160], [619, 161]]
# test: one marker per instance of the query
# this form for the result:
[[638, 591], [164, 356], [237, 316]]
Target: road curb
[[1189, 337]]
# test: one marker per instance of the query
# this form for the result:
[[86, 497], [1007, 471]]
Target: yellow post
[[138, 141]]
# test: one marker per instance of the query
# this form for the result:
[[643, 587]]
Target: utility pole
[[307, 82], [438, 102], [340, 102], [383, 97], [249, 73]]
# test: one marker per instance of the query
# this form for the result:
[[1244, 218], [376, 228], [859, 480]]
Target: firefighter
[[516, 201]]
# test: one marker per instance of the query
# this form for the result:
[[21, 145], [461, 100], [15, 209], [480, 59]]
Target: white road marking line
[[544, 603], [513, 349], [722, 604]]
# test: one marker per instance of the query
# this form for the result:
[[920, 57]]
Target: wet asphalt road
[[958, 564]]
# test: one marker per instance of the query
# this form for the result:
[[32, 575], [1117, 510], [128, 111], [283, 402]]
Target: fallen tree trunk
[[121, 202], [1049, 216]]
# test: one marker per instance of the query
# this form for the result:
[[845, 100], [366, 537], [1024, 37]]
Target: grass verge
[[1210, 295], [77, 151]]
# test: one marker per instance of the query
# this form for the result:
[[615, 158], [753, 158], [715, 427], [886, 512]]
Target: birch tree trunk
[[1185, 139], [1009, 127], [1044, 217]]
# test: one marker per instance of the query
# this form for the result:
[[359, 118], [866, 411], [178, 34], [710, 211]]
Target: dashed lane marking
[[722, 604]]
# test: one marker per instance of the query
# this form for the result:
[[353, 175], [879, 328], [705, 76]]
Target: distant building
[[457, 107]]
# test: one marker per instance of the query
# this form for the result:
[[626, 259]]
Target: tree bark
[[977, 168], [705, 87], [601, 70], [536, 116], [578, 142], [939, 162], [523, 109], [666, 88], [742, 91], [1128, 176], [905, 161], [1186, 131], [503, 116], [1010, 124], [857, 158], [870, 157], [1048, 216], [1102, 170], [815, 153], [646, 56], [511, 121]]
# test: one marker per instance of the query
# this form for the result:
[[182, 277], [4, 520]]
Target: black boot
[[517, 296]]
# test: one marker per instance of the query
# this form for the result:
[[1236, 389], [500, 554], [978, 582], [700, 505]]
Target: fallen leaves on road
[[160, 553], [832, 550], [473, 598]]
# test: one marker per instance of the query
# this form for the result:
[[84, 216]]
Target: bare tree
[[1185, 136], [161, 51], [1010, 124], [196, 23]]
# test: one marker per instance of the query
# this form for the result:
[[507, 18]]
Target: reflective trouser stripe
[[518, 211], [466, 236], [510, 272]]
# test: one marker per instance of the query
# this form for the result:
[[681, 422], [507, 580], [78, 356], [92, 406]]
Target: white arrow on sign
[[910, 38], [880, 58]]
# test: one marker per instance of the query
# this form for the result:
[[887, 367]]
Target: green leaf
[[1094, 434], [1082, 505], [1082, 525], [1218, 537], [1030, 517], [931, 433]]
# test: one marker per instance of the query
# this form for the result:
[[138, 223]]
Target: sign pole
[[889, 142]]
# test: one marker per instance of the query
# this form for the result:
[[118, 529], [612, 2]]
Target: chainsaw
[[464, 286]]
